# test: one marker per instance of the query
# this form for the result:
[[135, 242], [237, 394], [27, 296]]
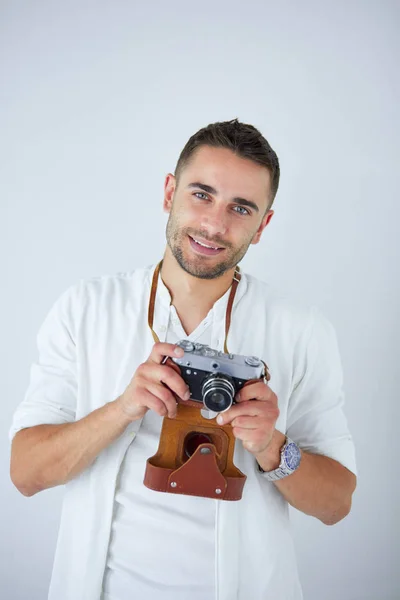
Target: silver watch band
[[276, 474], [281, 471]]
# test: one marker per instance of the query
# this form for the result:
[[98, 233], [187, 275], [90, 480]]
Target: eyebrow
[[211, 190]]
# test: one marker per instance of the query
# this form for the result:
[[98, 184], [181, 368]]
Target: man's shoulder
[[121, 282], [285, 310], [108, 289], [278, 302]]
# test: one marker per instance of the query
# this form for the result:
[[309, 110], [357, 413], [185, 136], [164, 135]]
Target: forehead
[[228, 173]]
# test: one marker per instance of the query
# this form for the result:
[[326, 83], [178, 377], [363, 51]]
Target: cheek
[[191, 217], [193, 211], [245, 235]]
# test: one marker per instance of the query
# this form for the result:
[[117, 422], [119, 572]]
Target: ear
[[266, 219], [169, 189]]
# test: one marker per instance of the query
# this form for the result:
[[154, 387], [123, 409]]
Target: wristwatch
[[290, 461]]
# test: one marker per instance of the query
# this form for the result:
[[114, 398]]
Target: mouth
[[203, 248]]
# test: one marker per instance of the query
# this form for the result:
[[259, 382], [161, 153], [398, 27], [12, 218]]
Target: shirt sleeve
[[52, 391], [316, 419]]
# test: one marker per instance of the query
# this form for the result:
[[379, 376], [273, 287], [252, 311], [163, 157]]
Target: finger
[[152, 402], [257, 390], [241, 433], [246, 422], [162, 349], [252, 440], [167, 398], [164, 374], [249, 409], [171, 364]]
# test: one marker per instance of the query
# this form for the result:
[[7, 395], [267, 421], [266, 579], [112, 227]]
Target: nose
[[214, 221]]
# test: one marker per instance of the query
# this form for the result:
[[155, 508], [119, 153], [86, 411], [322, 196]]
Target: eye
[[241, 208], [201, 194]]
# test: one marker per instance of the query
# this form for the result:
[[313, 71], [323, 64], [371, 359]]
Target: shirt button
[[133, 434], [163, 328]]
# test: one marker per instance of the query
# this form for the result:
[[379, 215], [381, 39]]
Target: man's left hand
[[254, 416]]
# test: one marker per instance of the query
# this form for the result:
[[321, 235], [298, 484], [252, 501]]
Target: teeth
[[205, 246]]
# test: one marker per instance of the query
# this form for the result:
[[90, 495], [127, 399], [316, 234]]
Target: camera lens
[[217, 399], [218, 391]]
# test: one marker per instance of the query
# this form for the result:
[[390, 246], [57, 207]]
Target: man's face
[[216, 212]]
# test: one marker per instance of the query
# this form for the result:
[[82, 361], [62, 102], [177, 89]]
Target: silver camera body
[[214, 377]]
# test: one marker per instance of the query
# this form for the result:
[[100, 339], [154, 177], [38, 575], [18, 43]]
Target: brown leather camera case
[[208, 472]]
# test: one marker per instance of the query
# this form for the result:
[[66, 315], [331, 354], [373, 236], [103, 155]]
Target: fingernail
[[220, 419], [186, 395], [179, 351]]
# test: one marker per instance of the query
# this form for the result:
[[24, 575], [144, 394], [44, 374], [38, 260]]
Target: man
[[93, 411]]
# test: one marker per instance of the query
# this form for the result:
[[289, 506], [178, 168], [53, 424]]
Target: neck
[[189, 290]]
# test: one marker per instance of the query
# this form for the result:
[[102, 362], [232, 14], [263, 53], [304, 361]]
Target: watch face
[[292, 456]]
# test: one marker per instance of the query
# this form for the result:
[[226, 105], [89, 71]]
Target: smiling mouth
[[203, 248], [206, 245]]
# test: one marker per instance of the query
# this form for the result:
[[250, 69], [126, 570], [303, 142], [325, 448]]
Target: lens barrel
[[217, 392]]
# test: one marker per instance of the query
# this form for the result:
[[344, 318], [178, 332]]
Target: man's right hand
[[44, 456], [154, 384]]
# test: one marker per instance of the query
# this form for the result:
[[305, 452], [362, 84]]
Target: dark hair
[[243, 139]]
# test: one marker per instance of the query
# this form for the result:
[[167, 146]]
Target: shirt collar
[[220, 305]]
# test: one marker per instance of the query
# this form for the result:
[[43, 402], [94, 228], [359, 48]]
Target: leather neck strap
[[235, 281]]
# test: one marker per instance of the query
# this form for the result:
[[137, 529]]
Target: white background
[[97, 101]]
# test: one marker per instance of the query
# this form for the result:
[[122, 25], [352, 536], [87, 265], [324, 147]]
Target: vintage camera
[[213, 377], [195, 454]]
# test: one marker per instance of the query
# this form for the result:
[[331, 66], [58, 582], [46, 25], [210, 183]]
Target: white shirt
[[150, 528], [90, 345]]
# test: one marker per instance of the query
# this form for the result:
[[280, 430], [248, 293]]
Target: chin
[[198, 269]]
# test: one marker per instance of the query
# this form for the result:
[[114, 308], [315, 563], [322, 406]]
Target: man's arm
[[314, 418], [44, 456], [320, 487]]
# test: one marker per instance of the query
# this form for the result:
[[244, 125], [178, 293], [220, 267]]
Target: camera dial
[[186, 345], [253, 361], [209, 352]]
